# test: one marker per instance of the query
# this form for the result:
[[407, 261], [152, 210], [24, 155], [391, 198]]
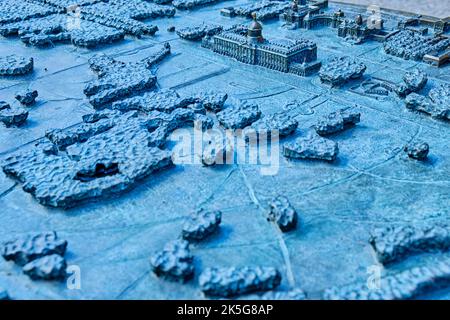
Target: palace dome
[[255, 25], [254, 31]]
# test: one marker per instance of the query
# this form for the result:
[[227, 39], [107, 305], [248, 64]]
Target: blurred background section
[[435, 8]]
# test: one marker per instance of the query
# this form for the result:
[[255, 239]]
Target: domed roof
[[255, 25], [254, 31]]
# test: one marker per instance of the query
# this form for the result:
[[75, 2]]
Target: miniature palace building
[[248, 45]]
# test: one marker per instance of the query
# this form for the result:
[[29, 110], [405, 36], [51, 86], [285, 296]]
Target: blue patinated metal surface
[[317, 163]]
